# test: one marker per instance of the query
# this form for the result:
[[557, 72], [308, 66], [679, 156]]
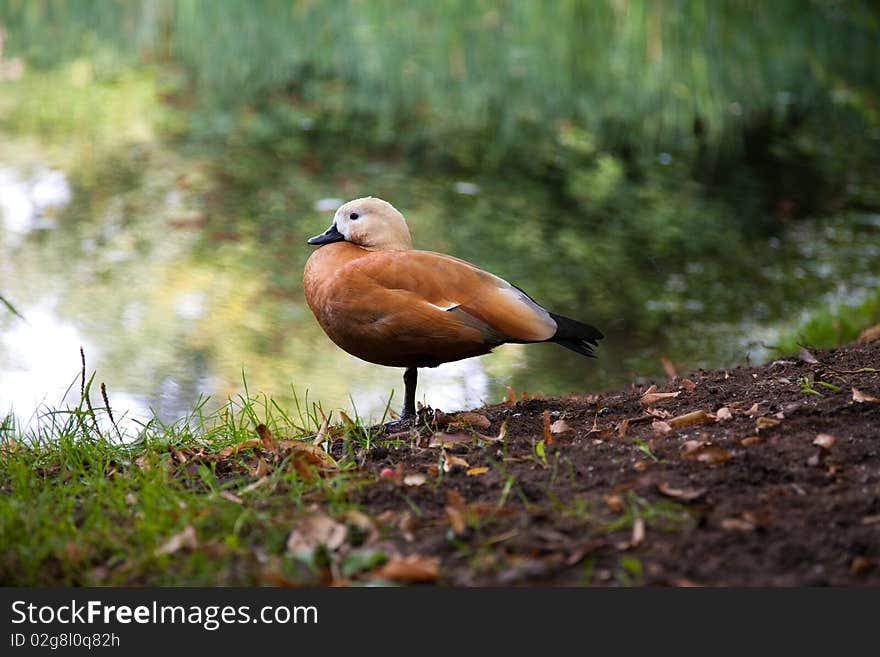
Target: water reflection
[[167, 312]]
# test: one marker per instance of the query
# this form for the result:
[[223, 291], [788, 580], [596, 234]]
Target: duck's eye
[[353, 216]]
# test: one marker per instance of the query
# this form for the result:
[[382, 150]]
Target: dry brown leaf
[[411, 568], [652, 398], [753, 411], [415, 479], [860, 564], [870, 334], [560, 426], [184, 539], [471, 420], [548, 436], [323, 431], [871, 520], [723, 414], [688, 385], [668, 367], [660, 427], [737, 525], [177, 454], [659, 413], [705, 452], [694, 417], [451, 461], [806, 355], [408, 523], [862, 397], [257, 484], [614, 502], [750, 440], [641, 466], [763, 422], [510, 397], [686, 494], [316, 530], [652, 388], [456, 520], [622, 426], [444, 439], [266, 437], [472, 472], [638, 532], [232, 497], [260, 468], [143, 462], [824, 440], [235, 449]]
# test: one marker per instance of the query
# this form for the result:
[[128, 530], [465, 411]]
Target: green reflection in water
[[179, 270]]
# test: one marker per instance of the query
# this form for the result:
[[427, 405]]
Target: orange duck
[[383, 301]]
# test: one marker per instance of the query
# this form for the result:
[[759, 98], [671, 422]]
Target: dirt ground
[[763, 475]]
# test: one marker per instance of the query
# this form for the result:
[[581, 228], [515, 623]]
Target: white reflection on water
[[25, 199]]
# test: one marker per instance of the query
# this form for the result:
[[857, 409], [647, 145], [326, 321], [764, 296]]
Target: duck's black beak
[[328, 236]]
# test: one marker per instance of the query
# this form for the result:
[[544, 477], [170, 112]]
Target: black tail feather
[[576, 335]]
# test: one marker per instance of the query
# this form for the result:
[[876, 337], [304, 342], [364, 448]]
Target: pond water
[[169, 310]]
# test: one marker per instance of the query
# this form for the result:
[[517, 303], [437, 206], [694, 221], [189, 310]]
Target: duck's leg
[[410, 376]]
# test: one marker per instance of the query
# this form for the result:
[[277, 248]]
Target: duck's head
[[368, 222]]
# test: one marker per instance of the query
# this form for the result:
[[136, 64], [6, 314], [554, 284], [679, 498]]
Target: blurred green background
[[697, 179]]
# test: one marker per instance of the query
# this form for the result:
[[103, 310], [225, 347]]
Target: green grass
[[80, 507]]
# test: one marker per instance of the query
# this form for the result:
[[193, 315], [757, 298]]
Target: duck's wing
[[447, 290]]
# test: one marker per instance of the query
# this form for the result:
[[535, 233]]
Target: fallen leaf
[[688, 385], [266, 437], [690, 446], [640, 466], [638, 532], [652, 388], [861, 397], [805, 355], [737, 524], [477, 471], [456, 520], [871, 520], [235, 449], [451, 461], [408, 523], [184, 539], [723, 414], [232, 497], [316, 530], [471, 420], [870, 334], [323, 431], [411, 568], [686, 494], [668, 367], [444, 439], [659, 413], [706, 453], [259, 482], [660, 427], [414, 479], [694, 417], [763, 422], [261, 469], [860, 565], [614, 502], [750, 440], [177, 454], [753, 411], [560, 426], [649, 399], [548, 436], [824, 440], [510, 397], [622, 426]]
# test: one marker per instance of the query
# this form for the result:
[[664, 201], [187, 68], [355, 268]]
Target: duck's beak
[[328, 236]]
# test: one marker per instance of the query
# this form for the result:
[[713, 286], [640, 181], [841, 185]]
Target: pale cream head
[[373, 224]]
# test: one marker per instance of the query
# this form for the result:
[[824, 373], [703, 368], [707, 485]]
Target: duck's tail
[[576, 335]]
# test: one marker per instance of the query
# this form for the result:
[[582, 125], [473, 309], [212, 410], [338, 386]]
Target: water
[[168, 308]]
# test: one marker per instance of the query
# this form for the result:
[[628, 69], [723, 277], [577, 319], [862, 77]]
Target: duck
[[381, 300]]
